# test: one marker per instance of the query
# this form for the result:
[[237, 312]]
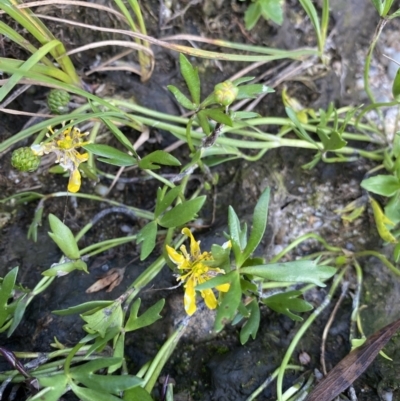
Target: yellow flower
[[195, 272], [65, 147]]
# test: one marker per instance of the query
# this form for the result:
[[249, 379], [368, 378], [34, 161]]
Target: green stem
[[99, 247], [270, 379], [368, 59], [163, 355], [301, 239], [382, 258], [305, 326]]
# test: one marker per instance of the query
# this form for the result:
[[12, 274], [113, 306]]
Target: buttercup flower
[[195, 272], [65, 147]]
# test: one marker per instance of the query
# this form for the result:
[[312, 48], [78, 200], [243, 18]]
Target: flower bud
[[24, 159], [58, 100], [225, 93]]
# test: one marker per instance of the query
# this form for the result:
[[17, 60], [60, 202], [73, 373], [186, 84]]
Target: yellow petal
[[74, 181], [190, 297], [82, 157], [176, 257], [223, 287], [209, 298], [194, 245]]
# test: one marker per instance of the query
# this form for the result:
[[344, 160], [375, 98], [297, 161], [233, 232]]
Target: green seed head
[[58, 100], [23, 159], [225, 93]]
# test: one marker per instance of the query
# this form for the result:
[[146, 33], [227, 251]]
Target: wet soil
[[206, 366]]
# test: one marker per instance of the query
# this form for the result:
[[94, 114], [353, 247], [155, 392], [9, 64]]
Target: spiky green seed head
[[23, 159], [225, 93], [58, 100]]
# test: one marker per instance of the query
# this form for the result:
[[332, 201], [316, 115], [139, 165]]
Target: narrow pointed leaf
[[259, 224], [191, 76], [182, 213]]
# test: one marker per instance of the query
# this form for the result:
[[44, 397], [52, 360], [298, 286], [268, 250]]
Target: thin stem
[[305, 326]]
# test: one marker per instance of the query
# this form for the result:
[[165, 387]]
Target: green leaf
[[22, 303], [191, 77], [309, 8], [119, 352], [151, 315], [164, 200], [54, 387], [63, 237], [221, 257], [396, 253], [94, 365], [119, 135], [332, 142], [6, 290], [299, 271], [181, 98], [147, 235], [244, 115], [137, 394], [396, 145], [251, 91], [259, 224], [219, 116], [242, 80], [86, 394], [378, 5], [392, 209], [386, 185], [287, 301], [251, 326], [102, 320], [158, 157], [107, 383], [252, 14], [214, 282], [235, 233], [101, 342], [300, 131], [113, 156], [62, 269], [26, 66], [203, 122], [230, 302], [37, 221], [82, 308], [272, 9], [182, 213]]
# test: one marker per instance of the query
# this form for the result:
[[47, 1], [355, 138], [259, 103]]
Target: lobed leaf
[[152, 160]]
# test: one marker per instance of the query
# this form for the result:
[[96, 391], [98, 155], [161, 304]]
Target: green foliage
[[250, 328], [151, 315], [152, 160], [6, 291], [63, 237], [182, 213], [268, 9], [287, 302], [385, 185], [111, 155], [248, 273]]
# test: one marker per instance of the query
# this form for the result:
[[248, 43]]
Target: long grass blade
[[26, 66]]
